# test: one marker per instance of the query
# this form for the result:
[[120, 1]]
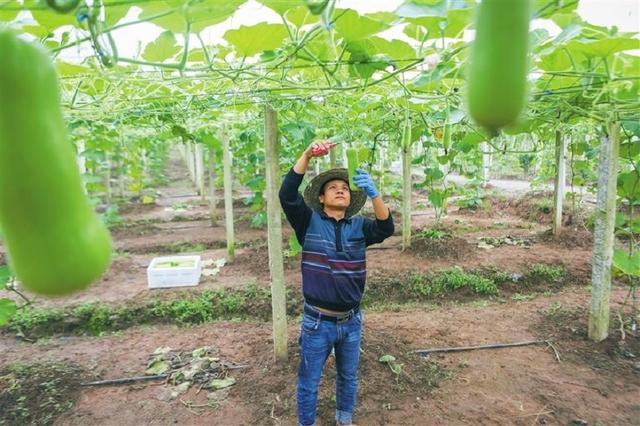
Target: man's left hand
[[363, 180]]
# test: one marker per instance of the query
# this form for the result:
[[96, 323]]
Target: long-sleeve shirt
[[333, 251]]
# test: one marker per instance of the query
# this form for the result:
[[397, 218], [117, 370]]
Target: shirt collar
[[325, 216]]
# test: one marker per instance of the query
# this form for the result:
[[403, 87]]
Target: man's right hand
[[319, 148]]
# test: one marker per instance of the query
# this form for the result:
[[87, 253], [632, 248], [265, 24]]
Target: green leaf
[[163, 48], [427, 80], [174, 22], [569, 33], [436, 198], [66, 69], [605, 47], [433, 173], [387, 17], [451, 25], [632, 126], [218, 384], [9, 15], [251, 40], [395, 49], [294, 246], [352, 27], [629, 265], [200, 13], [522, 126], [204, 13], [301, 16], [630, 149], [417, 32], [115, 12], [210, 140], [538, 37], [280, 6], [8, 309], [629, 185], [157, 366], [557, 60], [387, 359]]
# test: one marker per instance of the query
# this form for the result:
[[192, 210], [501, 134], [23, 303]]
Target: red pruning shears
[[318, 151]]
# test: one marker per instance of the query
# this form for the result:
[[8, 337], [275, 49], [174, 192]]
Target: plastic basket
[[174, 271]]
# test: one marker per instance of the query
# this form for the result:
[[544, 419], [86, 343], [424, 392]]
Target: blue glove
[[363, 181]]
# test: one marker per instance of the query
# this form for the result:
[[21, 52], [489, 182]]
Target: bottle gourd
[[56, 242]]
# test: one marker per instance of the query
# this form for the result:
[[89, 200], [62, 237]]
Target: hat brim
[[312, 191]]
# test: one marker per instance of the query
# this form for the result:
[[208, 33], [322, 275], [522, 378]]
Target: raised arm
[[297, 212]]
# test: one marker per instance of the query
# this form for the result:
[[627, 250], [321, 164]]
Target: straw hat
[[312, 191]]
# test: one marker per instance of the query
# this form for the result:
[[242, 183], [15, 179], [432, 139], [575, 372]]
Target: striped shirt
[[334, 267]]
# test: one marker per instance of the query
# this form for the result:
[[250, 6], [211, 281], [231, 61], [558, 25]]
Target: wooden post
[[603, 234], [274, 231], [107, 183], [189, 160], [559, 187], [406, 197], [228, 198], [486, 163], [199, 169], [213, 201]]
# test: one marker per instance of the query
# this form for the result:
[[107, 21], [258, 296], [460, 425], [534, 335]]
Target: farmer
[[334, 271]]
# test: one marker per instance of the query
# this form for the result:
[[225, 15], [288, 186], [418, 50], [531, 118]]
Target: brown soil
[[445, 248], [497, 386], [569, 238]]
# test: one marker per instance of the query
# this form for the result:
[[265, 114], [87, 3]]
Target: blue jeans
[[317, 338]]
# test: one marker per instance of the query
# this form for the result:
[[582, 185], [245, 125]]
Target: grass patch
[[36, 394], [450, 281], [97, 319], [254, 303], [540, 272], [435, 233]]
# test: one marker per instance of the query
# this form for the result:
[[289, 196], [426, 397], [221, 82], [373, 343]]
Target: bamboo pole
[[274, 225]]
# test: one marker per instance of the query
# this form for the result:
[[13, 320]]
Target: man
[[334, 271]]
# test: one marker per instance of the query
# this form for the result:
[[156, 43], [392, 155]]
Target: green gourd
[[55, 241], [446, 136], [498, 67], [406, 135], [352, 165], [63, 6]]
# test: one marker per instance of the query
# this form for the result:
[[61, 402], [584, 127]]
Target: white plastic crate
[[174, 271]]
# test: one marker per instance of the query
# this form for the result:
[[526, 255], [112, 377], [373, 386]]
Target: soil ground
[[593, 383]]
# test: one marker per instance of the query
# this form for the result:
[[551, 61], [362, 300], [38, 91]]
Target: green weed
[[543, 272], [433, 233]]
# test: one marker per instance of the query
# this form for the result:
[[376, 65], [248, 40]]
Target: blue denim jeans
[[317, 338]]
